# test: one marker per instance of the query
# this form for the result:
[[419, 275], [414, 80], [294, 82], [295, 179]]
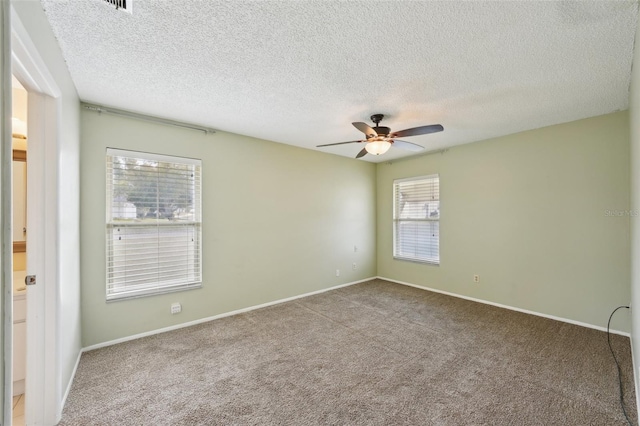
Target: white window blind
[[153, 224], [416, 219]]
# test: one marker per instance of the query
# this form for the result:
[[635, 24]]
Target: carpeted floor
[[375, 353]]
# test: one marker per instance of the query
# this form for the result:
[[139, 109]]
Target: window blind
[[153, 225], [416, 219]]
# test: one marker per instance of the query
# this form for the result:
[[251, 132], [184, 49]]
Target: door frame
[[43, 379], [6, 262]]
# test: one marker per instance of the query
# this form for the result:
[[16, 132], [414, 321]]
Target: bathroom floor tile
[[18, 421], [18, 409]]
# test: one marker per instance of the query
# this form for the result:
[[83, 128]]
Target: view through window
[[416, 219], [153, 224]]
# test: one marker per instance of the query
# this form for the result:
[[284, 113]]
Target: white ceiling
[[299, 72]]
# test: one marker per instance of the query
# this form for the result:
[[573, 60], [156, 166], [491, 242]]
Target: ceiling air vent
[[124, 5]]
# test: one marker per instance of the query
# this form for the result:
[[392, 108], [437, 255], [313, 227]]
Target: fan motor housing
[[382, 131]]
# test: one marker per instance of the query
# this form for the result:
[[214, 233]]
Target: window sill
[[424, 262], [147, 293]]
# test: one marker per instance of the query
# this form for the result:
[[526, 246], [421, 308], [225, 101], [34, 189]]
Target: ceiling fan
[[379, 138]]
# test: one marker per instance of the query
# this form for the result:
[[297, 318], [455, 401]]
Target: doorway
[[43, 395]]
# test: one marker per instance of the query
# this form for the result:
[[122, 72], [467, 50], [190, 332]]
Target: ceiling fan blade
[[362, 153], [364, 128], [407, 145], [415, 131], [338, 143]]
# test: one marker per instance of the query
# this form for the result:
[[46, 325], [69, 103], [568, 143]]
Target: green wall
[[534, 214], [634, 127], [277, 222], [528, 214]]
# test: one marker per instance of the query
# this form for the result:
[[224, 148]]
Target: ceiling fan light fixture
[[380, 138], [378, 147]]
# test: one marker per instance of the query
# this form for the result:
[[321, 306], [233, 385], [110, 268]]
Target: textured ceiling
[[299, 72]]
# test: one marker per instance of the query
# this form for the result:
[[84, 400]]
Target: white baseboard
[[215, 317], [73, 375], [635, 372], [512, 308]]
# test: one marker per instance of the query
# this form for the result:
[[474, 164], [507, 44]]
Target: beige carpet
[[375, 353]]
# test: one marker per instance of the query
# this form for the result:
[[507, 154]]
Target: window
[[416, 219], [153, 224]]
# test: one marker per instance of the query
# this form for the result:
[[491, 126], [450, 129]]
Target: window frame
[[157, 288], [396, 219]]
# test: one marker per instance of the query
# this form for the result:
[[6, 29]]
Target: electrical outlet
[[353, 266], [337, 272], [176, 308], [476, 278]]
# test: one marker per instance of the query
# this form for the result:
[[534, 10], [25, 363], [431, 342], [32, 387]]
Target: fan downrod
[[377, 118]]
